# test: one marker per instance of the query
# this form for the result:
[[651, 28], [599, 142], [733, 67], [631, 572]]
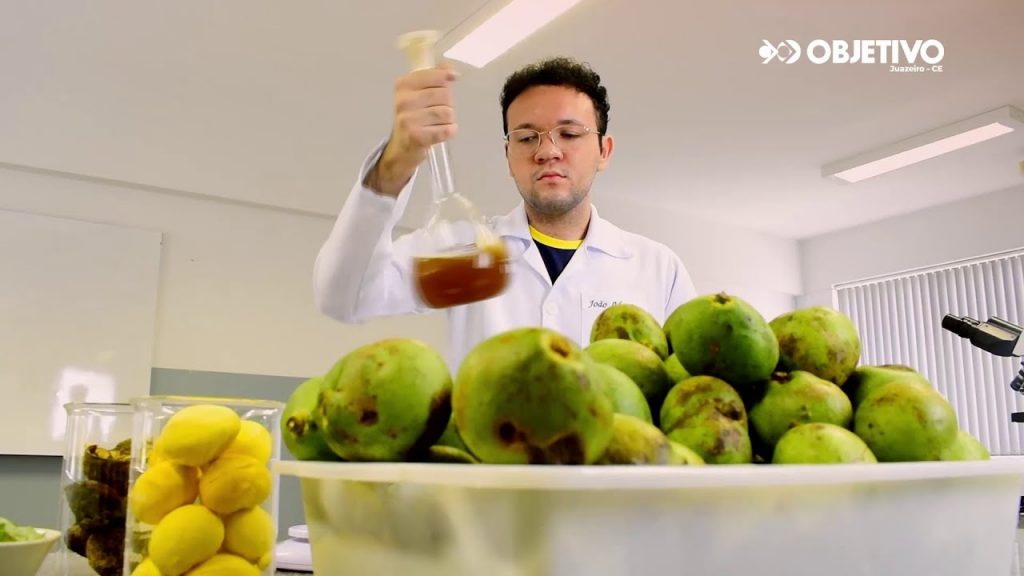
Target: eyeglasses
[[526, 142]]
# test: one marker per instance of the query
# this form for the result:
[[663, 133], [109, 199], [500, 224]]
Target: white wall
[[235, 283], [762, 269], [973, 227]]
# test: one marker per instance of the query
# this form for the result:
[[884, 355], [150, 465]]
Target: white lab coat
[[361, 273]]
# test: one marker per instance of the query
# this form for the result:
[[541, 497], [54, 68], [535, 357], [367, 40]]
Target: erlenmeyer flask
[[462, 260]]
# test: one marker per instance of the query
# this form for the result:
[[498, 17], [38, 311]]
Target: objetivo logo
[[899, 55], [787, 51]]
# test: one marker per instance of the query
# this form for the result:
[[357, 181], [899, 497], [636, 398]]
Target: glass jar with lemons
[[201, 497]]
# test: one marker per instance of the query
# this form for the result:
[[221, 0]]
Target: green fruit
[[447, 455], [707, 415], [675, 370], [672, 319], [866, 379], [637, 361], [821, 443], [527, 396], [698, 394], [636, 442], [903, 422], [795, 398], [716, 441], [390, 401], [630, 322], [819, 340], [964, 447], [299, 427], [683, 456], [450, 437], [624, 394], [723, 336]]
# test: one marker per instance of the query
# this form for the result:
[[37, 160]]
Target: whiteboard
[[77, 322]]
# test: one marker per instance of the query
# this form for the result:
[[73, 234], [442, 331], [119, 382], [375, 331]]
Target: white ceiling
[[278, 102]]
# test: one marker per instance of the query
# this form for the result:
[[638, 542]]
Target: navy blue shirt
[[555, 253]]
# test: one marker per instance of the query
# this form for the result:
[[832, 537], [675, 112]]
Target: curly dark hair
[[560, 71]]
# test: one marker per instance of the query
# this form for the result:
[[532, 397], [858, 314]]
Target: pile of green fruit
[[716, 384]]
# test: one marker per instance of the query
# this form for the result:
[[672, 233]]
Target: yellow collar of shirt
[[554, 242]]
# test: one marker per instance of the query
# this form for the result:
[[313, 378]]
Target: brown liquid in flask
[[470, 274]]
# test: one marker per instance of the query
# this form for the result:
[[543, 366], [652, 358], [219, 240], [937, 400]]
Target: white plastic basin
[[934, 519]]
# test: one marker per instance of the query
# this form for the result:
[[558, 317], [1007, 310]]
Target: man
[[567, 263]]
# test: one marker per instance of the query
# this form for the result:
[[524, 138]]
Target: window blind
[[899, 319]]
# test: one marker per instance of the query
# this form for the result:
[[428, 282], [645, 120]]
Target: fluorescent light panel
[[504, 29], [929, 145], [921, 153]]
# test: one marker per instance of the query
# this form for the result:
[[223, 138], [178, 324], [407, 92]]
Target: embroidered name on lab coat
[[602, 304]]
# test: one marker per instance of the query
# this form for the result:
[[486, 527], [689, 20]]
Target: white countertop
[[81, 568]]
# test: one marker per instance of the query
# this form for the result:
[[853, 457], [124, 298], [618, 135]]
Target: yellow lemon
[[225, 565], [253, 440], [147, 568], [196, 435], [232, 483], [264, 560], [162, 488], [249, 533], [184, 538], [154, 457]]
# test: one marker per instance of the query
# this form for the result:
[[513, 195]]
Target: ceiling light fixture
[[928, 145], [499, 26]]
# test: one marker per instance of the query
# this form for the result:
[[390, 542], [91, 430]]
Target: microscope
[[997, 336]]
